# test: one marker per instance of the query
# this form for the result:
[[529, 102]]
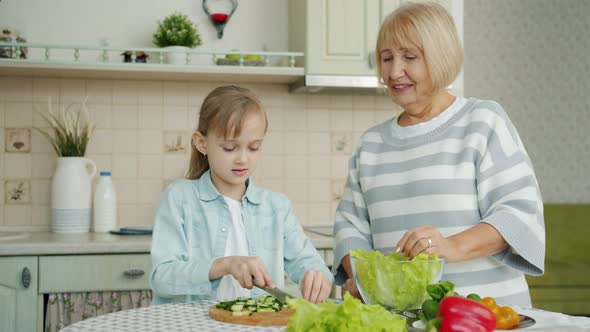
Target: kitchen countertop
[[47, 243]]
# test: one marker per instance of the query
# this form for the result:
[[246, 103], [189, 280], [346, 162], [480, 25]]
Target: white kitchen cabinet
[[339, 36], [21, 308], [18, 294]]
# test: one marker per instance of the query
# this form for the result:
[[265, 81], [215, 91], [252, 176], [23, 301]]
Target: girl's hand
[[248, 271], [315, 286], [350, 287], [428, 240]]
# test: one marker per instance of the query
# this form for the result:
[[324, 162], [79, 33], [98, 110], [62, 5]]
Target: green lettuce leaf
[[398, 286], [348, 316]]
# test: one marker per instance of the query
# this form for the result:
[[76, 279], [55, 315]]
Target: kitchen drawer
[[94, 273]]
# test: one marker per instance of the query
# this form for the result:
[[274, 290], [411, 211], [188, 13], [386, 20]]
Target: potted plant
[[176, 33], [69, 134]]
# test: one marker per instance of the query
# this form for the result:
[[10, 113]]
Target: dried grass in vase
[[70, 130]]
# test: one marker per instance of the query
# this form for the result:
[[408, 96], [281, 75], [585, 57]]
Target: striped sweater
[[472, 168]]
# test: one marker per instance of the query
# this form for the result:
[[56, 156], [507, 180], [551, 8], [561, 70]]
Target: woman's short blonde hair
[[430, 28]]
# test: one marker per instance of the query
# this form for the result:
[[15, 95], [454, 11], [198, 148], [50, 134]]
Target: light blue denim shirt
[[191, 229]]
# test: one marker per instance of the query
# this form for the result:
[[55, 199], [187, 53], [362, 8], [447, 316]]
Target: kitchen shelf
[[76, 65]]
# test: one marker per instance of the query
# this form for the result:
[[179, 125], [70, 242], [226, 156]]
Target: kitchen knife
[[278, 293]]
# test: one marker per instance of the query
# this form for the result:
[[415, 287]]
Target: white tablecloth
[[195, 317]]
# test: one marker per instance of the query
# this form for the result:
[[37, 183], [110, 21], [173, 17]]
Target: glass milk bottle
[[105, 204]]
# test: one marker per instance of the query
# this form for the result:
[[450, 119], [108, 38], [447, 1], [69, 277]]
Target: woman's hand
[[350, 287], [315, 286], [428, 240], [247, 270]]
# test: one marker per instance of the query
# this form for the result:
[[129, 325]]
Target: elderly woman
[[448, 176]]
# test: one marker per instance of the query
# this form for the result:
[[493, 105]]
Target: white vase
[[71, 195], [178, 57]]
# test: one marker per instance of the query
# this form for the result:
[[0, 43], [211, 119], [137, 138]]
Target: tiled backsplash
[[143, 136]]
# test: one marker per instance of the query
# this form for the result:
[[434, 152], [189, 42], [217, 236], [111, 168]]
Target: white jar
[[105, 204]]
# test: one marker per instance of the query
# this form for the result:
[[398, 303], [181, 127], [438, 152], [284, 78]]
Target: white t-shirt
[[236, 245]]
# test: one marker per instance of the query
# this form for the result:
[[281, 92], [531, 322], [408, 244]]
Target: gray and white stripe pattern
[[472, 168]]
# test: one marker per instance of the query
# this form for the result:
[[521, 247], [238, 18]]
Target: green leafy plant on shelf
[[176, 30], [69, 131]]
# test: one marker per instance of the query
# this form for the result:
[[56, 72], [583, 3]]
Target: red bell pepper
[[458, 314]]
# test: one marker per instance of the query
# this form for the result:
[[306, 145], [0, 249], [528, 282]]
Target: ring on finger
[[429, 243]]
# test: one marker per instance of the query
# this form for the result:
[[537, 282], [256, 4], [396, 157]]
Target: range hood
[[338, 84]]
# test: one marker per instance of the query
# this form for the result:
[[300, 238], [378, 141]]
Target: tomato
[[507, 318], [489, 302]]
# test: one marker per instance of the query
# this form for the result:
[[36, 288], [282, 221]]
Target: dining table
[[194, 316]]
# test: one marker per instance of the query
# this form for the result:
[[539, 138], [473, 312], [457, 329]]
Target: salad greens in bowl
[[394, 281]]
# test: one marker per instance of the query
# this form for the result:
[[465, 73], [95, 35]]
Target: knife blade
[[279, 294]]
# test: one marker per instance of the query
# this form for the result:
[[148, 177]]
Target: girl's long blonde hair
[[223, 112]]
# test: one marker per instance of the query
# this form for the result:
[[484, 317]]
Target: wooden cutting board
[[280, 318]]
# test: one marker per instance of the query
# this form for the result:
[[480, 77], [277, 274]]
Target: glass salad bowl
[[394, 281]]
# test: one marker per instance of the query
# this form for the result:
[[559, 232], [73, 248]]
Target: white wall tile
[[175, 166], [125, 141], [124, 167], [17, 165], [126, 215], [341, 102], [101, 115], [101, 142], [363, 119], [2, 111], [319, 120], [150, 167], [72, 91], [18, 114], [125, 116], [318, 101], [46, 89], [17, 215], [41, 192], [151, 117], [295, 167], [41, 217], [273, 143], [146, 214], [363, 102], [340, 166], [294, 120], [176, 93], [197, 92], [341, 120], [150, 92], [319, 167], [319, 191], [19, 89], [43, 165], [319, 143], [126, 191], [99, 92], [148, 191], [125, 93], [275, 118], [296, 191], [150, 142], [319, 214], [271, 167], [176, 117], [295, 143]]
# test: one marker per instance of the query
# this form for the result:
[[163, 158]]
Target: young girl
[[216, 234]]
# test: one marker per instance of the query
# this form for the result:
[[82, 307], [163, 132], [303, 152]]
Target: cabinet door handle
[[26, 277], [134, 273], [371, 59]]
